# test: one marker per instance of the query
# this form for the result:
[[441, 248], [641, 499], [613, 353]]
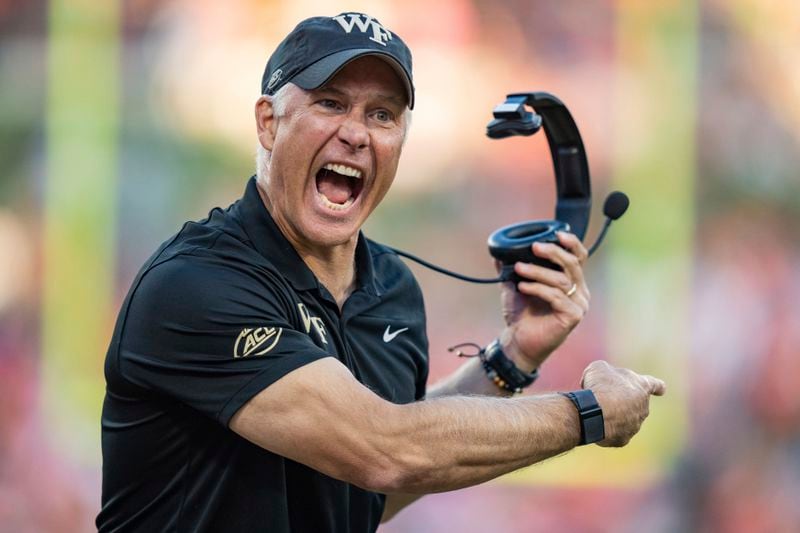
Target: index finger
[[655, 386], [571, 242]]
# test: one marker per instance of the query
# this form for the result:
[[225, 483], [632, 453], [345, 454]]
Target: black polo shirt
[[221, 311]]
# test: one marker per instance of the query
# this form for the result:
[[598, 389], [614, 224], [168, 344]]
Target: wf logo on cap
[[379, 34]]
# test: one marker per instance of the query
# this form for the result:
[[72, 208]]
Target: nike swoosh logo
[[388, 336]]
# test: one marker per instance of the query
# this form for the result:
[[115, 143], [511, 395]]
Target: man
[[268, 369]]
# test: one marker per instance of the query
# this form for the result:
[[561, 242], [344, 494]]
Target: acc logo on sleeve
[[256, 341]]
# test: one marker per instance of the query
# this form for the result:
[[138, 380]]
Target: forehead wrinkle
[[330, 89], [399, 100]]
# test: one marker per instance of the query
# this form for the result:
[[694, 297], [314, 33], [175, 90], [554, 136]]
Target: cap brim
[[320, 72]]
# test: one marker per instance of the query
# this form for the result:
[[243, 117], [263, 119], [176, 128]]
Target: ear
[[265, 122]]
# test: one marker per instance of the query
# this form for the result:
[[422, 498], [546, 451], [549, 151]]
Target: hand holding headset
[[513, 243]]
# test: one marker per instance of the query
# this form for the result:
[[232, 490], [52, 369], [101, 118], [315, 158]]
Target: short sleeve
[[210, 335]]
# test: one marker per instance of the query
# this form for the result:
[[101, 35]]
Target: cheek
[[292, 157], [301, 138], [285, 176], [389, 149], [391, 159]]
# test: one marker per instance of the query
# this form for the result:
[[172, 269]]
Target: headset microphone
[[615, 206], [513, 243]]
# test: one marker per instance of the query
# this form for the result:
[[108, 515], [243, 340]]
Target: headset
[[512, 243]]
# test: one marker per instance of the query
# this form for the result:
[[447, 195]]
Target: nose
[[353, 132]]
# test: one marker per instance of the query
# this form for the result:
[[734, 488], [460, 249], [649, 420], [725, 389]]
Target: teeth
[[336, 207], [344, 170]]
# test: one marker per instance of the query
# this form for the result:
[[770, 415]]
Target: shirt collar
[[270, 242]]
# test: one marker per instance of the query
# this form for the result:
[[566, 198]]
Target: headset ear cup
[[511, 244]]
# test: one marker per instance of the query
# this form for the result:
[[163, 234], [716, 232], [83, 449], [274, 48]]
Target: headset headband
[[573, 189], [513, 243]]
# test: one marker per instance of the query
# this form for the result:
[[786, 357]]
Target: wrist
[[503, 371], [512, 350], [590, 415]]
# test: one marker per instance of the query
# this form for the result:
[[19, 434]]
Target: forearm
[[430, 446], [468, 380], [455, 442]]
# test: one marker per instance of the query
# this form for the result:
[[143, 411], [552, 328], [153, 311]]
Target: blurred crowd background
[[121, 120]]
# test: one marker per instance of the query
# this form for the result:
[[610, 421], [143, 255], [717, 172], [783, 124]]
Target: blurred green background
[[121, 120]]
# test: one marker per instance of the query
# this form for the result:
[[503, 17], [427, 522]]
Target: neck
[[334, 269], [333, 266]]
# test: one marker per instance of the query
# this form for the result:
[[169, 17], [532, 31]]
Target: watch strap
[[590, 414]]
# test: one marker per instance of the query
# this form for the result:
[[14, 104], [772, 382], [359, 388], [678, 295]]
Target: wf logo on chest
[[310, 321], [364, 23]]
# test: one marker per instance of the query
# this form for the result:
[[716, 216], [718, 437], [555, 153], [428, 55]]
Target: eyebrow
[[400, 101]]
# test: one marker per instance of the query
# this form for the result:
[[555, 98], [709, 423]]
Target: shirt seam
[[129, 302], [310, 359], [153, 264]]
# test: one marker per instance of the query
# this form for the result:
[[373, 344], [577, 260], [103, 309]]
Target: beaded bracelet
[[499, 368]]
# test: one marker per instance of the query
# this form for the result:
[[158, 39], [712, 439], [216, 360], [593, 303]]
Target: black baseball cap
[[319, 47]]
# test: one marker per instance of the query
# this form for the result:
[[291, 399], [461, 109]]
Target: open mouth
[[338, 186]]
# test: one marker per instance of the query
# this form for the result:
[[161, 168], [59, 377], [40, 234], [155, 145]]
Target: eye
[[329, 104], [382, 115]]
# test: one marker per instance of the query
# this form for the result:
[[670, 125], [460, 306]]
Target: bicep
[[321, 416], [208, 337]]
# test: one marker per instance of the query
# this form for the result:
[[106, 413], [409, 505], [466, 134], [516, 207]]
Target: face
[[335, 152]]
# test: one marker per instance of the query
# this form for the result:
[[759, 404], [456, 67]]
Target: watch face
[[593, 428], [590, 414]]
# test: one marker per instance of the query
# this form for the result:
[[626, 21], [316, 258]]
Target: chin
[[332, 234]]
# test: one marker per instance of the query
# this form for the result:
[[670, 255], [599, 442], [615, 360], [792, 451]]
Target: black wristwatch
[[590, 413]]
